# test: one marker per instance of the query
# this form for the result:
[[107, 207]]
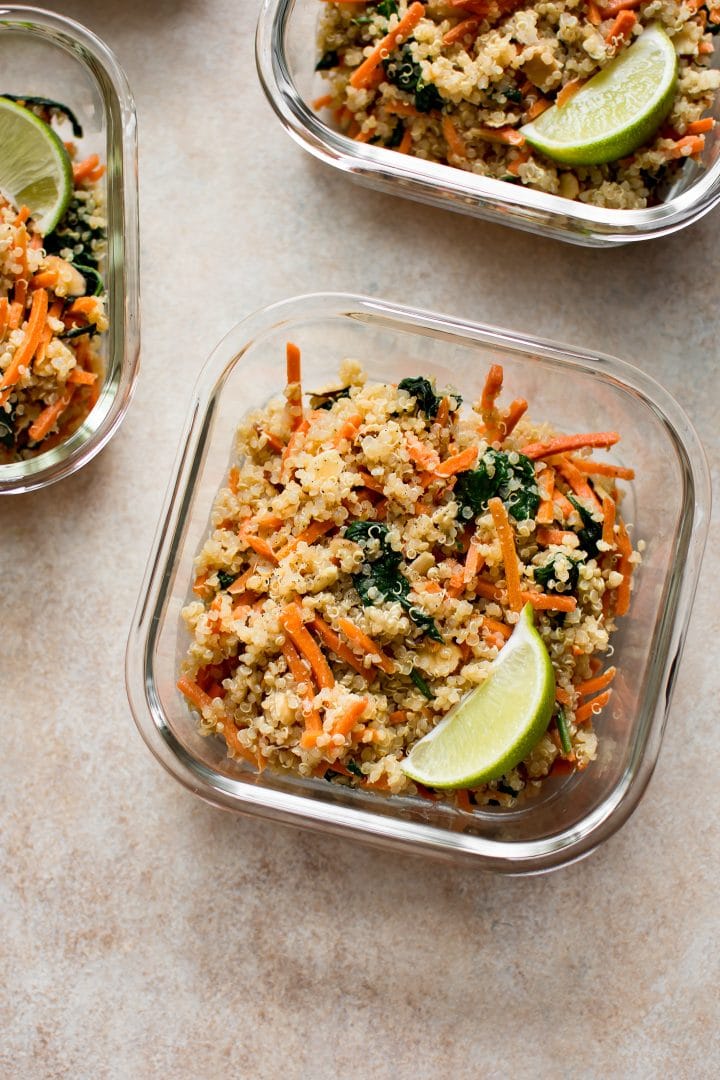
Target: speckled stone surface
[[144, 934]]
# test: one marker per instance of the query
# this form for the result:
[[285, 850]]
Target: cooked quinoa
[[50, 367], [471, 73], [354, 588]]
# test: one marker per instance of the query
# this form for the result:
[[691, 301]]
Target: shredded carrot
[[548, 602], [458, 462], [473, 561], [443, 414], [322, 102], [614, 8], [348, 430], [624, 546], [515, 412], [354, 634], [22, 215], [79, 377], [350, 717], [546, 487], [686, 147], [562, 696], [507, 136], [371, 482], [231, 736], [497, 627], [621, 28], [602, 468], [608, 529], [361, 75], [15, 315], [546, 537], [83, 169], [503, 528], [47, 279], [522, 157], [297, 669], [302, 429], [460, 30], [564, 443], [593, 686], [26, 350], [194, 693], [293, 390], [292, 623], [571, 88], [400, 108], [452, 138], [4, 308], [84, 305], [538, 107], [592, 708], [488, 408], [20, 291], [398, 717], [333, 641], [308, 536], [699, 127], [579, 484], [405, 143], [258, 545], [422, 455], [462, 801]]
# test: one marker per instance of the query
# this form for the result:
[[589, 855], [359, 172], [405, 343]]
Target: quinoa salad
[[51, 308], [368, 559], [453, 82]]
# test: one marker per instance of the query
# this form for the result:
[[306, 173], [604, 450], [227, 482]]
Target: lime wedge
[[35, 170], [614, 112], [496, 725]]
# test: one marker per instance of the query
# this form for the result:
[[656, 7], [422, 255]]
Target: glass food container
[[49, 56], [286, 57], [572, 389]]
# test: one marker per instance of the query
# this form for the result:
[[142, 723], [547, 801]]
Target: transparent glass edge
[[514, 858], [80, 448], [522, 208]]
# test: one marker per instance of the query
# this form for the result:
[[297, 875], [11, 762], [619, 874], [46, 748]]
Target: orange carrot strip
[[443, 414], [293, 390], [614, 8], [398, 717], [538, 107], [624, 546], [292, 623], [592, 707], [562, 696], [462, 801], [308, 536], [422, 455], [592, 686], [47, 279], [350, 717], [22, 215], [333, 641], [238, 585], [686, 147], [78, 377], [458, 462], [503, 528], [564, 443], [579, 484], [621, 28], [348, 430], [26, 350], [258, 545], [452, 138], [460, 30], [302, 429], [602, 468], [571, 88], [297, 669], [84, 305], [563, 506], [20, 291], [354, 634], [405, 143], [487, 589], [507, 136], [515, 412], [322, 102], [473, 561], [230, 734], [194, 693], [522, 157], [608, 529], [400, 108], [547, 602], [404, 28], [4, 309], [15, 315], [497, 627], [370, 481], [546, 487], [699, 127], [82, 170], [491, 389], [546, 537]]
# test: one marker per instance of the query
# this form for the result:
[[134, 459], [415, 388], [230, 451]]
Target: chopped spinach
[[79, 331], [421, 684], [396, 137], [94, 285], [546, 575], [7, 426], [380, 574], [325, 399], [387, 8], [591, 531], [497, 475], [76, 236], [354, 768], [563, 732], [47, 105], [512, 94], [506, 789], [406, 74], [424, 393], [328, 60], [225, 579]]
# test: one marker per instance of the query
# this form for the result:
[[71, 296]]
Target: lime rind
[[35, 168], [616, 111], [496, 725]]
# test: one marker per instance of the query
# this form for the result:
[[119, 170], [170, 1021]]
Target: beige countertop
[[145, 934]]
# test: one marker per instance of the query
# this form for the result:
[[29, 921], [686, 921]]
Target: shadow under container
[[45, 55], [286, 54], [573, 390]]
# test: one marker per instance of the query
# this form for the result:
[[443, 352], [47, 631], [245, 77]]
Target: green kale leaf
[[328, 60], [225, 579], [387, 8], [327, 398], [7, 426], [421, 684], [424, 393], [498, 476], [591, 531], [406, 74], [546, 575]]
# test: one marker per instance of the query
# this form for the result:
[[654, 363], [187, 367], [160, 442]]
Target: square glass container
[[572, 389], [286, 57], [49, 56]]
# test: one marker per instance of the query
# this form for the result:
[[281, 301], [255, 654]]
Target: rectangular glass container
[[286, 57], [49, 56], [573, 390]]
